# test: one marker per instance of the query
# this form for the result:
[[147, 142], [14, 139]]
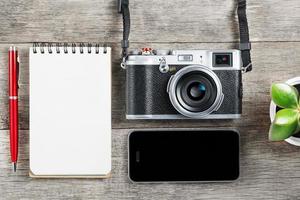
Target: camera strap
[[245, 45], [123, 8]]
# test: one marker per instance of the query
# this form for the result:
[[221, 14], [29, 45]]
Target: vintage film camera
[[185, 84]]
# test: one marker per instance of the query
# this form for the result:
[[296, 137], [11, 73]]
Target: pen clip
[[18, 70]]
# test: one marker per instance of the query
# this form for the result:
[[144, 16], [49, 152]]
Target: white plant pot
[[292, 140]]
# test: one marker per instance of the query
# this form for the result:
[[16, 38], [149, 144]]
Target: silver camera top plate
[[187, 57]]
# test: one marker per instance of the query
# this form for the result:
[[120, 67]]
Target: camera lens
[[196, 91]]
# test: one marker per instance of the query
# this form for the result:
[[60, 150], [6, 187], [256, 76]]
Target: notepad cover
[[70, 113]]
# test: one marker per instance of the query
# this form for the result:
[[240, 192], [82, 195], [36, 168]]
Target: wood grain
[[173, 21], [268, 170]]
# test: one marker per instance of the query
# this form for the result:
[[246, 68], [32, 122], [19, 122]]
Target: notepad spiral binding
[[58, 48]]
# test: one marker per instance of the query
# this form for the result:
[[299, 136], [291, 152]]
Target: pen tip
[[14, 166]]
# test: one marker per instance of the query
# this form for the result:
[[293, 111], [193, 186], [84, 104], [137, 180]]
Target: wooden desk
[[268, 170]]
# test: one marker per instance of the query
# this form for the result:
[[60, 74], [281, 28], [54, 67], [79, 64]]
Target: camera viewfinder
[[222, 59]]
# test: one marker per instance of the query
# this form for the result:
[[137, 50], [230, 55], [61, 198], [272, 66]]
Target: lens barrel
[[195, 91]]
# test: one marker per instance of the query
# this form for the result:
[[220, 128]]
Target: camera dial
[[147, 51], [195, 91]]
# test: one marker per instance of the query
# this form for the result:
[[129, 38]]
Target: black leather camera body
[[184, 84]]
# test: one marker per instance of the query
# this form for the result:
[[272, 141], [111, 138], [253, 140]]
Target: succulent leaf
[[284, 95], [285, 124], [298, 128]]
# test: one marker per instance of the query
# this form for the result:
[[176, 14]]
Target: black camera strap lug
[[246, 68], [123, 8], [123, 63]]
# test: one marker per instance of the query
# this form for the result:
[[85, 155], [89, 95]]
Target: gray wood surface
[[174, 21], [268, 170]]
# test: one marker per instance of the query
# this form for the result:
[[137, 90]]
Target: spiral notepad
[[70, 111]]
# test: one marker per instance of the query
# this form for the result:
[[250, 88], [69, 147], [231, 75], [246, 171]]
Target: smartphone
[[183, 156]]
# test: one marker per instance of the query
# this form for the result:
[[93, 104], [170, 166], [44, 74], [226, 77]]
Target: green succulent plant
[[286, 122]]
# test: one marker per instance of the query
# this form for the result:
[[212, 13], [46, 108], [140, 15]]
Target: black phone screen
[[183, 156]]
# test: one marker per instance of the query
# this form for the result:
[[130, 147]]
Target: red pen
[[13, 65]]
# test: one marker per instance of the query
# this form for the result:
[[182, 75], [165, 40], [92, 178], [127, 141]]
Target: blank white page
[[70, 112]]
